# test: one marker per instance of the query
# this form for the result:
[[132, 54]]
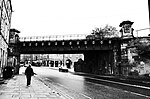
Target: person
[[29, 72]]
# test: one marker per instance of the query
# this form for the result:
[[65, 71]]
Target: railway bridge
[[100, 54]]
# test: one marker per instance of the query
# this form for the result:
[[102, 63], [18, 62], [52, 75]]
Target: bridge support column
[[91, 61]]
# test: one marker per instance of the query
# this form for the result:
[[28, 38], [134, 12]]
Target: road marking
[[44, 80], [85, 96], [67, 88], [137, 94], [111, 82], [121, 83]]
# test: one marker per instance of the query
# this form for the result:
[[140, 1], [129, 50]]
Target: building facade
[[5, 23], [13, 50]]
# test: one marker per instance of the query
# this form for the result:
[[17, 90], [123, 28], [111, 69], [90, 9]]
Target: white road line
[[137, 94], [124, 91], [62, 93], [85, 96], [121, 83], [106, 81]]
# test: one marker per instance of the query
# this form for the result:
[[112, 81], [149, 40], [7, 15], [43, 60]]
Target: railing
[[54, 37], [141, 32]]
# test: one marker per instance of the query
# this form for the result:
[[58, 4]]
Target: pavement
[[15, 88]]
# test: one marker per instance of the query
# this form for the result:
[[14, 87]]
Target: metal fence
[[142, 32]]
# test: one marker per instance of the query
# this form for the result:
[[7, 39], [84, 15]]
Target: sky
[[64, 17]]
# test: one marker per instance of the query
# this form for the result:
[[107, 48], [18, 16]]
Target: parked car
[[63, 69]]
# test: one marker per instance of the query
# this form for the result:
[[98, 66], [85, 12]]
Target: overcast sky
[[60, 17]]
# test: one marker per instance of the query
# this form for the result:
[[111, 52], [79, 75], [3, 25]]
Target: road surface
[[80, 87]]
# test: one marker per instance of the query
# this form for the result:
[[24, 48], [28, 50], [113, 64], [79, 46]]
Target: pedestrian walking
[[29, 73]]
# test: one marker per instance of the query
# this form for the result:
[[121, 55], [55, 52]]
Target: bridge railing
[[54, 37]]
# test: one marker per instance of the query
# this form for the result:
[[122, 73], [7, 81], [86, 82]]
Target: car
[[63, 69]]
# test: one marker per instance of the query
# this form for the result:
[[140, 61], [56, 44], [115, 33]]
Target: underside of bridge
[[99, 62]]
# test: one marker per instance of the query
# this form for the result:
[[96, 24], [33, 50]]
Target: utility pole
[[63, 60]]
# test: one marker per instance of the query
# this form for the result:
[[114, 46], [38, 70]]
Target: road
[[80, 87]]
